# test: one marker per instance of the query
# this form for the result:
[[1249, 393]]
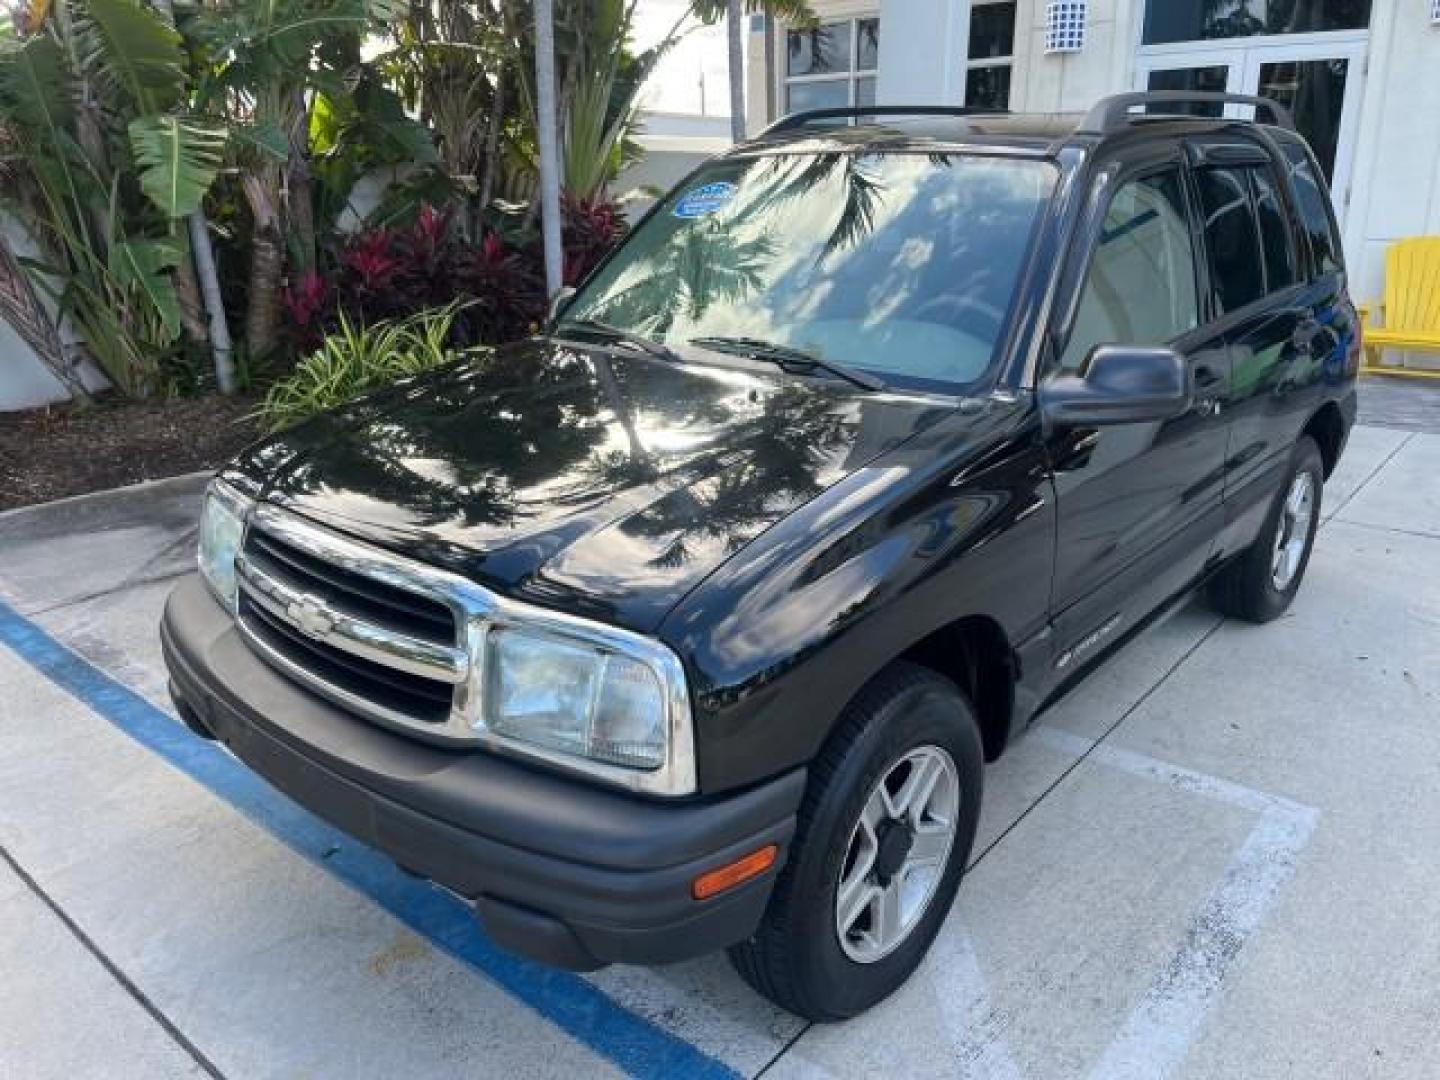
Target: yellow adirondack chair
[[1410, 314]]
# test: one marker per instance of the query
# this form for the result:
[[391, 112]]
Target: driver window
[[1140, 288]]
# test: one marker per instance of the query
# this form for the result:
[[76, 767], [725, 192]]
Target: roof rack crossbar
[[799, 120], [1113, 113]]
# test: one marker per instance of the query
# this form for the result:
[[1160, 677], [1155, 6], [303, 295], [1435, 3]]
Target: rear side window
[[1140, 285], [1232, 237], [1314, 208], [1274, 231]]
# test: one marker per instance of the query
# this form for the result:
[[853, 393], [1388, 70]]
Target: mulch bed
[[51, 453]]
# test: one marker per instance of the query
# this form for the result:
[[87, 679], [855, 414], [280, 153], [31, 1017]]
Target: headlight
[[618, 706], [222, 525]]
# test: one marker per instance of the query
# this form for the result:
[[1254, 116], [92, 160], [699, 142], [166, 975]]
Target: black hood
[[603, 484]]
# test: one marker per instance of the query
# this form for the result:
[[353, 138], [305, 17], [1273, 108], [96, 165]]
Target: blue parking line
[[591, 1017]]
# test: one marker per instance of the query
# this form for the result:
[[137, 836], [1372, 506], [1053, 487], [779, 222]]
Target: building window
[[1203, 20], [832, 66], [992, 54]]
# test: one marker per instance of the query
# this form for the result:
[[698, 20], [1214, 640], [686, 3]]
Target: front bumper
[[562, 871]]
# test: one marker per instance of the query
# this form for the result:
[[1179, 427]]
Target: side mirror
[[1120, 384], [558, 303]]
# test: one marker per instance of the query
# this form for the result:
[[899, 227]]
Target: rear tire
[[911, 733], [1260, 584]]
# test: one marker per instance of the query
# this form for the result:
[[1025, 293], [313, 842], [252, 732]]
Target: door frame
[[1245, 56]]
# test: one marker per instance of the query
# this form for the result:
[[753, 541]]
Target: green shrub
[[356, 359]]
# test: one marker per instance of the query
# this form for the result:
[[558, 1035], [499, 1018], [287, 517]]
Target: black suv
[[692, 621]]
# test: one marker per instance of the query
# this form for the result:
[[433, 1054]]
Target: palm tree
[[794, 12], [735, 39], [265, 67], [87, 179], [202, 252], [545, 132]]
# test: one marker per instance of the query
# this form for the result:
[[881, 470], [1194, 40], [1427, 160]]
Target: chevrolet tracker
[[691, 622]]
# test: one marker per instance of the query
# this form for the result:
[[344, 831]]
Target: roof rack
[[1113, 113], [804, 119]]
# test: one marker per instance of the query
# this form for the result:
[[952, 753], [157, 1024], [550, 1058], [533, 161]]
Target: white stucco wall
[[918, 38], [26, 383], [1395, 190]]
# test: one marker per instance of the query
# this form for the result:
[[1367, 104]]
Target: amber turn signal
[[714, 882]]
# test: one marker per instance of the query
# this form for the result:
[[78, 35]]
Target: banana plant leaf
[[130, 48], [178, 160], [141, 266]]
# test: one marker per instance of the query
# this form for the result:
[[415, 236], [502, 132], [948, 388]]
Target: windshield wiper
[[619, 336], [788, 357]]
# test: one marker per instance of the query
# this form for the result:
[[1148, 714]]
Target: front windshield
[[900, 264]]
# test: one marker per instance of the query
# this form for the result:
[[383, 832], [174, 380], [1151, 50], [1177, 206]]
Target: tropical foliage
[[383, 272], [356, 359], [183, 169], [100, 158]]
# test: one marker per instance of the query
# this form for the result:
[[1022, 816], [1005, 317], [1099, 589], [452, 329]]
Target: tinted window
[[1232, 238], [1211, 79], [904, 264], [1140, 286], [1191, 20], [992, 30], [1274, 231], [988, 87], [1314, 207], [818, 50]]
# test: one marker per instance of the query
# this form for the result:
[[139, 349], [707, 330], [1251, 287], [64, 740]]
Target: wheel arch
[[975, 653], [1327, 427]]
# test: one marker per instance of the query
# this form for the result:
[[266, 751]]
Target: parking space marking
[[975, 1024], [584, 1012], [1158, 1033], [1155, 1038]]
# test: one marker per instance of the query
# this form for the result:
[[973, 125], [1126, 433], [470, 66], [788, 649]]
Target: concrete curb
[[141, 485]]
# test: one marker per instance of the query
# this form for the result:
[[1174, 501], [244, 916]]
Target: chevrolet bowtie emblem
[[310, 618]]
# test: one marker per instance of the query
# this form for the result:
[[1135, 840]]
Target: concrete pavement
[[1215, 858]]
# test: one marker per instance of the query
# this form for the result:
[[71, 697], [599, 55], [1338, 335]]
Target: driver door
[[1138, 505]]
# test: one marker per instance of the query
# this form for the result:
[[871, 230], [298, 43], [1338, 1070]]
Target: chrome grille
[[403, 643], [375, 634]]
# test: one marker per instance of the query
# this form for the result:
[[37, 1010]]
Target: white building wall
[[25, 382], [919, 40], [1395, 190], [1072, 82]]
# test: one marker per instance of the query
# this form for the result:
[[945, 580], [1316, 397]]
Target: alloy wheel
[[897, 853], [1297, 518]]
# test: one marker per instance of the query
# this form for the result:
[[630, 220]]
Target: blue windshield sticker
[[704, 200]]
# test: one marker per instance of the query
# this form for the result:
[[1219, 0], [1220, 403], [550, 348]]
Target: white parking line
[[1158, 1033]]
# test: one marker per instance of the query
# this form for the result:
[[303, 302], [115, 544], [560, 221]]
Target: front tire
[[882, 840], [1261, 583]]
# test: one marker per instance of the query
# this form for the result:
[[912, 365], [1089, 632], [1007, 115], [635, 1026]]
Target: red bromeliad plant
[[387, 273], [308, 305], [591, 228], [505, 289]]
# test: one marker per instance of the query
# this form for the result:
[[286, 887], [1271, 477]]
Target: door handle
[[1207, 399]]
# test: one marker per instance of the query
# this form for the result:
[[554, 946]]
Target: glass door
[[1320, 86], [1207, 78], [1317, 79]]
